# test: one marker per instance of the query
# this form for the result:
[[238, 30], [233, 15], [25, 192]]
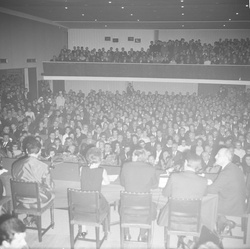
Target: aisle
[[59, 236]]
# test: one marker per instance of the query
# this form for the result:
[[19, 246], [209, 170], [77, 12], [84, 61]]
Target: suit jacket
[[6, 147], [162, 141], [138, 177], [231, 189], [150, 147], [185, 184], [177, 159], [209, 164]]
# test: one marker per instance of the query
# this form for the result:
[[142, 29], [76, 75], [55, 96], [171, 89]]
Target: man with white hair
[[230, 187]]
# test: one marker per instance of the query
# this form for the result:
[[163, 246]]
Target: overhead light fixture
[[122, 7], [131, 14], [182, 14], [229, 19], [182, 25], [182, 1], [110, 2], [247, 5], [82, 14], [66, 7], [182, 6], [224, 25], [237, 13], [95, 20], [106, 25], [138, 20]]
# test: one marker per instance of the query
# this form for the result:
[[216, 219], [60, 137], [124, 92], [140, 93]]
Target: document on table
[[163, 180], [112, 178], [3, 171]]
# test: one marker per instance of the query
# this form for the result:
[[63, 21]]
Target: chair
[[30, 190], [84, 209], [184, 218], [243, 222], [5, 201], [135, 211]]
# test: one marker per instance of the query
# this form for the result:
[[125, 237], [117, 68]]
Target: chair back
[[83, 206], [136, 208], [184, 214], [24, 192]]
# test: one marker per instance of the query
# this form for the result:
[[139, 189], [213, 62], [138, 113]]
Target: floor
[[59, 236]]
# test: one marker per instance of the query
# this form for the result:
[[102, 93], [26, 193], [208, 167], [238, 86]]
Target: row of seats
[[135, 209]]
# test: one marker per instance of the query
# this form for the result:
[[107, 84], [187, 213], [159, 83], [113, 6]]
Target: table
[[66, 175]]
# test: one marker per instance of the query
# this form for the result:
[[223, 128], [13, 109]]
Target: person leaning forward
[[186, 184]]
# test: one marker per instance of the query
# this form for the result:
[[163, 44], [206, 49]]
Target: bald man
[[230, 186]]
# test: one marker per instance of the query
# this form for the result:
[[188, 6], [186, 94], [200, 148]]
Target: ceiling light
[[224, 25], [110, 2], [247, 5], [229, 19], [131, 14], [82, 14], [66, 7], [182, 25], [122, 7], [95, 20], [182, 14], [106, 26], [182, 1], [237, 13], [182, 6], [138, 20]]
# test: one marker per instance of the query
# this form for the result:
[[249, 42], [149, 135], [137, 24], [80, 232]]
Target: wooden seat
[[136, 211], [243, 221], [30, 190], [5, 201], [84, 209], [184, 218]]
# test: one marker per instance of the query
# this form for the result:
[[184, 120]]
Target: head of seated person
[[192, 162], [139, 155], [94, 156], [31, 146], [12, 232]]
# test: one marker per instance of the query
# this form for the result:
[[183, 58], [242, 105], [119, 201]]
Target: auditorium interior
[[126, 77]]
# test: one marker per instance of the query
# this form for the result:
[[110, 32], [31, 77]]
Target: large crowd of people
[[164, 125], [227, 51], [137, 131]]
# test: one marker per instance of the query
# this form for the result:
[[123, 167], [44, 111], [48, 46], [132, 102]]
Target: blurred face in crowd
[[247, 160]]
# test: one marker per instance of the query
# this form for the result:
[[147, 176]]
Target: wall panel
[[22, 39], [205, 35], [95, 38]]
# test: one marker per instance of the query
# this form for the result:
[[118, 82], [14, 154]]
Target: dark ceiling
[[141, 14]]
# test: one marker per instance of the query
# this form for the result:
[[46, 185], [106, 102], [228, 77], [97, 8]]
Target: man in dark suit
[[139, 176], [177, 156], [185, 184], [207, 161], [230, 187], [6, 143], [151, 146]]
